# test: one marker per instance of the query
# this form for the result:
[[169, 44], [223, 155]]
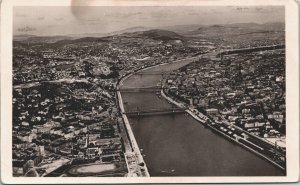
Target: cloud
[[259, 9], [242, 8], [26, 29]]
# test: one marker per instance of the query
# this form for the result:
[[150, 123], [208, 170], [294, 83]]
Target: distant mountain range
[[127, 30], [52, 39], [155, 34], [164, 33], [39, 39]]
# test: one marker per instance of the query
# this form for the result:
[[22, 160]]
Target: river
[[178, 145]]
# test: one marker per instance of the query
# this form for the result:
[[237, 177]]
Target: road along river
[[177, 144]]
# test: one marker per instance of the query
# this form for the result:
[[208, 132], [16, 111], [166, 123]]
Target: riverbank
[[196, 115], [133, 169]]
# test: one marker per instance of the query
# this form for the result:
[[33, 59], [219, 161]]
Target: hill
[[181, 29], [155, 34], [31, 39], [129, 30], [158, 34], [237, 29], [22, 37]]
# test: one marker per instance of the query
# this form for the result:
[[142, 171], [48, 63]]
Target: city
[[103, 106]]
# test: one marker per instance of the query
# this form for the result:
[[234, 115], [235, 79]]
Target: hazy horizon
[[45, 21]]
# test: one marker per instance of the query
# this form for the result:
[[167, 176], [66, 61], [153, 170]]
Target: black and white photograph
[[150, 91]]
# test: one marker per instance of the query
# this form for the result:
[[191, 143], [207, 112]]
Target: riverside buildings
[[246, 89]]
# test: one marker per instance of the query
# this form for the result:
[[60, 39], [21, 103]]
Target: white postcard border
[[292, 92]]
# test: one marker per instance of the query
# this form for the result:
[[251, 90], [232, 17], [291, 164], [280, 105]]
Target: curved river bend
[[178, 145]]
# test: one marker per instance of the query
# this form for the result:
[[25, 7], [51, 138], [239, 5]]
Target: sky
[[63, 20]]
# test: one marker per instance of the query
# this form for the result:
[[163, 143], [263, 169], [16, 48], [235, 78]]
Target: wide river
[[178, 145]]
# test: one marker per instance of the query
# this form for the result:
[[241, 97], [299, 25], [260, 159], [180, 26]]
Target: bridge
[[151, 112], [153, 73], [141, 89]]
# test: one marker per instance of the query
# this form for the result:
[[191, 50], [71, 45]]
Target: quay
[[134, 159], [241, 140]]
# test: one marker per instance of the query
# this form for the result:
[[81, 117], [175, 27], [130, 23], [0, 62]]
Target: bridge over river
[[141, 89], [162, 73], [152, 112]]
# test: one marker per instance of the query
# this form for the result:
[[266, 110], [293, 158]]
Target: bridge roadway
[[151, 112], [153, 73], [143, 89]]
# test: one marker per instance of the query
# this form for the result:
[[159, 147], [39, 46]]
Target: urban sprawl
[[66, 116]]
